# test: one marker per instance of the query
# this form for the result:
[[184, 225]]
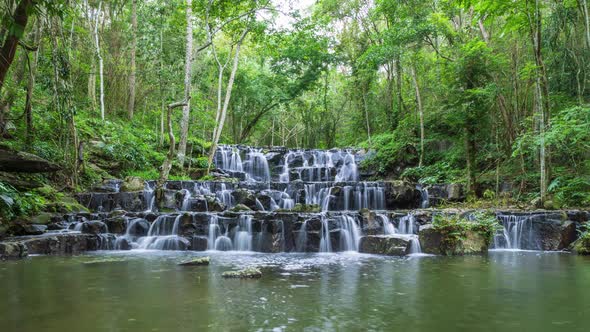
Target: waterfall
[[284, 177], [301, 241], [350, 234], [230, 159], [214, 232], [256, 166], [388, 227], [185, 200], [425, 200], [407, 224], [325, 243], [224, 195], [243, 236], [517, 233], [348, 171], [415, 245], [163, 236], [150, 198]]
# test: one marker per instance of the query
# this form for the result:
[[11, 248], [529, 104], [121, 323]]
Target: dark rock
[[15, 161], [116, 225], [13, 250], [138, 227], [23, 229], [399, 195], [122, 243], [391, 245], [245, 197], [61, 244], [94, 227], [199, 243]]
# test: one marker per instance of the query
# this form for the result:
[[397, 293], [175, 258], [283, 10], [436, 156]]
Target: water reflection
[[504, 291]]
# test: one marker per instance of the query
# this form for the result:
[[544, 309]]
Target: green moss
[[196, 262], [247, 273], [454, 229]]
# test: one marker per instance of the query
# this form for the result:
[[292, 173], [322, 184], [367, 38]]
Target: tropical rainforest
[[492, 94]]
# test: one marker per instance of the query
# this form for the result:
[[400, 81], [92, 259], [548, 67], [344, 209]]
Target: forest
[[492, 94]]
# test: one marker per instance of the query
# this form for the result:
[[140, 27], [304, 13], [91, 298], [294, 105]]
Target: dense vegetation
[[489, 93]]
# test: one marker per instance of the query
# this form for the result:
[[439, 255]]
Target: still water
[[148, 291]]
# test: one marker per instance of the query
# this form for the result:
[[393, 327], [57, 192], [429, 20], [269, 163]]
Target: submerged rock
[[105, 261], [391, 245], [196, 262], [247, 273]]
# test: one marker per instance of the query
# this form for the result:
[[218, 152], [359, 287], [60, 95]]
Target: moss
[[196, 262], [105, 261], [582, 245], [247, 273], [240, 207]]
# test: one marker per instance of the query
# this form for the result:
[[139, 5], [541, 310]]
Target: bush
[[454, 228], [14, 204]]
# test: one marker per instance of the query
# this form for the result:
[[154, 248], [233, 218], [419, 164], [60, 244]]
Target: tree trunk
[[187, 83], [167, 165], [420, 114], [228, 91], [584, 8], [131, 105], [15, 30], [31, 85], [100, 62]]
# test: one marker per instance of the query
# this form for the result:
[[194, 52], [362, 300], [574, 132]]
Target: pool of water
[[148, 291]]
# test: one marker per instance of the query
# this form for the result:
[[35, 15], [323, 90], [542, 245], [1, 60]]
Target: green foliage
[[454, 228], [14, 203]]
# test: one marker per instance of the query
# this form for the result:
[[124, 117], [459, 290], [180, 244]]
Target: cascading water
[[256, 166], [517, 233], [388, 227], [243, 236], [350, 234], [348, 171], [407, 224], [325, 242], [163, 235], [301, 241]]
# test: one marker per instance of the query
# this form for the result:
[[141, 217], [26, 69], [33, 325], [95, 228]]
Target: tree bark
[[131, 105], [420, 114], [100, 61], [187, 83], [31, 85], [167, 165], [228, 92], [15, 30]]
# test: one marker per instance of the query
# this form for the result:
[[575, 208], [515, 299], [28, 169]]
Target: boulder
[[240, 207], [245, 197], [581, 246], [94, 227], [454, 192], [13, 250], [391, 245], [23, 229], [61, 244], [400, 195], [553, 233], [133, 183], [116, 225], [18, 161], [199, 243], [138, 227], [433, 241], [247, 273]]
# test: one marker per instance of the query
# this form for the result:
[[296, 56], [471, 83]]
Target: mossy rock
[[240, 207], [432, 241], [201, 261], [305, 208], [133, 183], [105, 261], [582, 246], [247, 273]]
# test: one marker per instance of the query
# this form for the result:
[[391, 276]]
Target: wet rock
[[94, 227], [245, 197], [13, 250], [391, 245], [133, 183], [432, 241], [553, 233], [122, 243], [240, 207], [401, 196], [247, 273], [373, 226], [196, 262], [138, 227], [107, 186], [199, 243], [23, 229], [104, 261], [61, 244], [116, 225]]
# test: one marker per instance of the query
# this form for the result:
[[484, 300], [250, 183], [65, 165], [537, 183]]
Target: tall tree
[[184, 123], [131, 105]]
